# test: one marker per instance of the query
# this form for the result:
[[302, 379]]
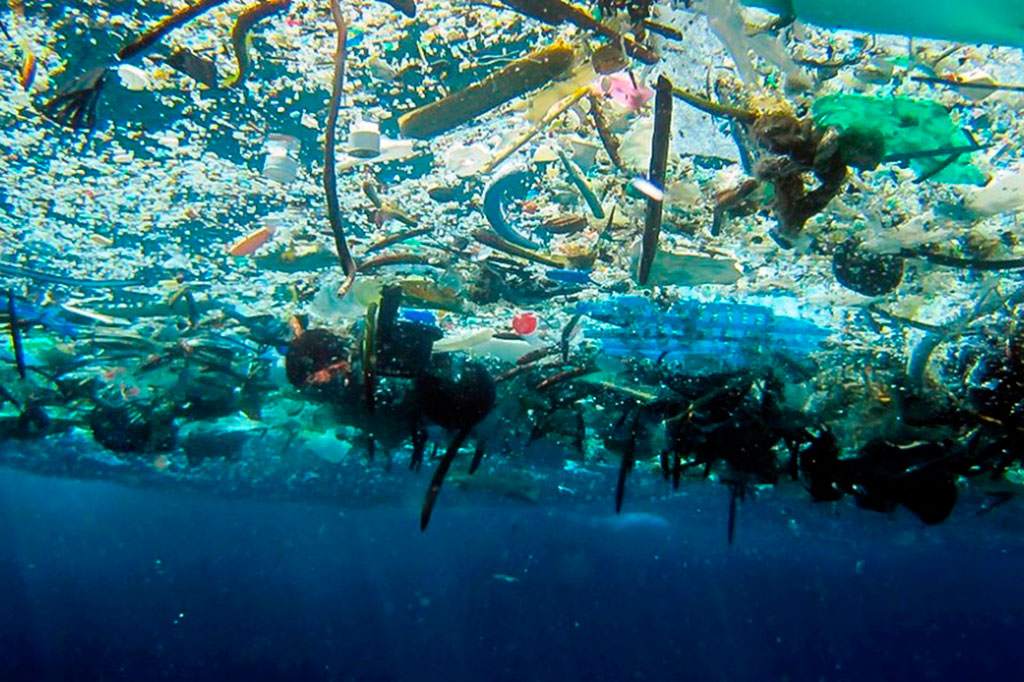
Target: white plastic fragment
[[584, 152], [169, 139], [980, 77], [281, 164], [390, 150], [464, 341], [133, 78], [545, 154], [505, 350], [1003, 194], [686, 269], [465, 160], [648, 189]]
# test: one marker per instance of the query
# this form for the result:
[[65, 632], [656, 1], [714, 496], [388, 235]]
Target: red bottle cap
[[524, 323]]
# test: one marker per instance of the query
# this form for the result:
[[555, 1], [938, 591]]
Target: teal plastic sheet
[[908, 127]]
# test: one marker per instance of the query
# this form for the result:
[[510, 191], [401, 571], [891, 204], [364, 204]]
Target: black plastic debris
[[132, 427], [201, 69], [402, 347], [866, 273]]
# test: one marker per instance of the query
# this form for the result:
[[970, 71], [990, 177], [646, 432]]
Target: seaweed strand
[[330, 179], [240, 34], [438, 479], [714, 108], [966, 263], [165, 26], [611, 145]]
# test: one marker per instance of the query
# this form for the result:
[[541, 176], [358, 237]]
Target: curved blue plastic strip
[[496, 197]]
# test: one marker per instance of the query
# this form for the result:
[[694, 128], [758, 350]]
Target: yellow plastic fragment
[[507, 83], [530, 132]]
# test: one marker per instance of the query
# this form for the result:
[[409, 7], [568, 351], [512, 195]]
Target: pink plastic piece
[[619, 87]]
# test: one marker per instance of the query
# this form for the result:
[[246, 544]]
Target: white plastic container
[[364, 139], [281, 164]]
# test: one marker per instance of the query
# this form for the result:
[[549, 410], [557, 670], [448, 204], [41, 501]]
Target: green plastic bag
[[906, 126]]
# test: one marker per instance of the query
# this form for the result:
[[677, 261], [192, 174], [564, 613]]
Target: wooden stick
[[659, 161], [714, 108], [495, 242], [507, 83], [611, 145], [532, 131]]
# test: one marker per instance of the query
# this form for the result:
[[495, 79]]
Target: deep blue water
[[109, 583]]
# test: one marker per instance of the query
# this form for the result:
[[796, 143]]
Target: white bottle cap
[[364, 139], [280, 168], [281, 164]]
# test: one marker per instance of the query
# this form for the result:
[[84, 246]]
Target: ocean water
[[103, 582], [520, 340]]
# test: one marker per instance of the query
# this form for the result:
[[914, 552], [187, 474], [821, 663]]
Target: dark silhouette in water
[[199, 68], [132, 427], [456, 395], [865, 272], [74, 105], [315, 359], [884, 475]]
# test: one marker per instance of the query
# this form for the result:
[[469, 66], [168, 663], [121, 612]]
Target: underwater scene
[[380, 340]]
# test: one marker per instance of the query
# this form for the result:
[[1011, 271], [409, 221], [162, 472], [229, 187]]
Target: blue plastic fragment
[[417, 315], [50, 317], [702, 337], [497, 196], [569, 276]]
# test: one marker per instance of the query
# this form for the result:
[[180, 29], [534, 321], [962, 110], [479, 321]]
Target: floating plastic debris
[[648, 189], [580, 277], [514, 246], [133, 78], [282, 160], [686, 269], [1003, 194], [524, 323], [251, 242], [905, 126], [364, 139], [704, 338], [513, 80]]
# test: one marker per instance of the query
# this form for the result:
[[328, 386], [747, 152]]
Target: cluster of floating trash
[[763, 243]]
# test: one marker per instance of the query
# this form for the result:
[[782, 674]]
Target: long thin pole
[[661, 138], [348, 264]]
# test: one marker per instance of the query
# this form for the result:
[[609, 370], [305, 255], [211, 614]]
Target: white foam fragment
[[648, 189], [133, 78], [1004, 194]]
